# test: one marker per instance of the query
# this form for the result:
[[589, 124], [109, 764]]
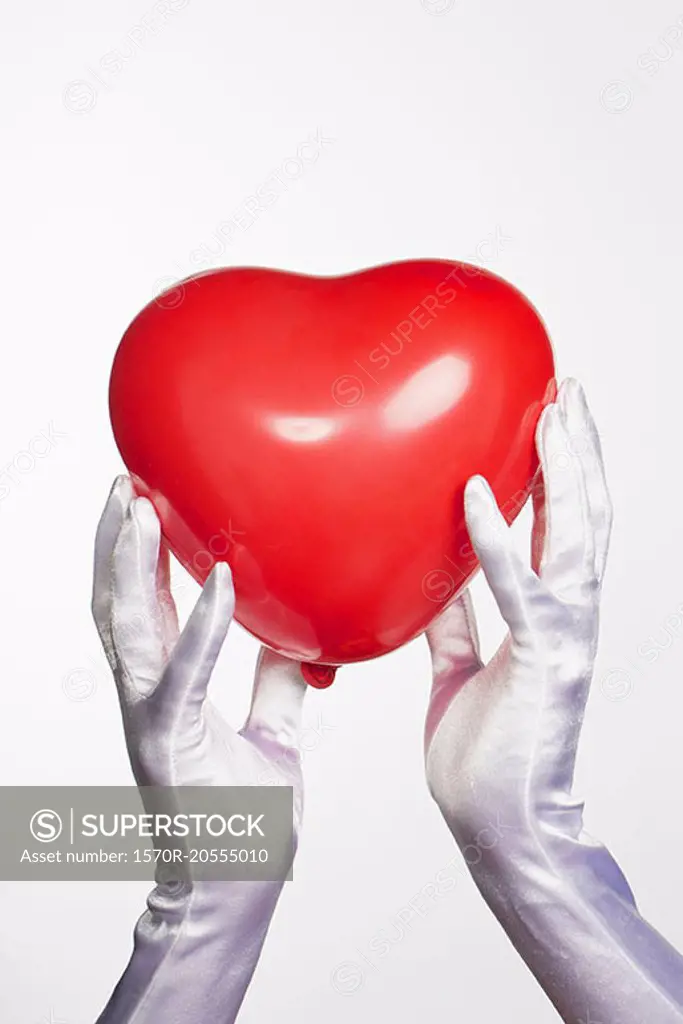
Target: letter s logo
[[46, 826]]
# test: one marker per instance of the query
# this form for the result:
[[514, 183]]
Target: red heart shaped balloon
[[317, 434]]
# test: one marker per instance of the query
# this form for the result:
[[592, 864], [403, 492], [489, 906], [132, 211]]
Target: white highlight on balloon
[[303, 429], [428, 394]]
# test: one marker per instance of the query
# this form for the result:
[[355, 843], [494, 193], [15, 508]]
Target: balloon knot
[[319, 676]]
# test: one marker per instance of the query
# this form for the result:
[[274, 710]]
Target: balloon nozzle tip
[[319, 676]]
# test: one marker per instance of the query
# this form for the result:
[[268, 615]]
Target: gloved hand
[[501, 743], [196, 947]]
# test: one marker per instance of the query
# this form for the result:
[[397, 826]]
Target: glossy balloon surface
[[317, 434]]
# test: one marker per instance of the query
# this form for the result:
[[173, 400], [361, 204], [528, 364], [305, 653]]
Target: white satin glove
[[501, 744], [196, 947]]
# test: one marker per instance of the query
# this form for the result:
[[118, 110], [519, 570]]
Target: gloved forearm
[[197, 945], [195, 953], [568, 910], [502, 738]]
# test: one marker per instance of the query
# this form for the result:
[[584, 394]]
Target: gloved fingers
[[454, 646], [511, 582], [169, 613], [277, 700], [568, 560], [185, 681], [587, 449], [108, 529], [135, 612]]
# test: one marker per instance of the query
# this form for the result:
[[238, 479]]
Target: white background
[[452, 123]]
